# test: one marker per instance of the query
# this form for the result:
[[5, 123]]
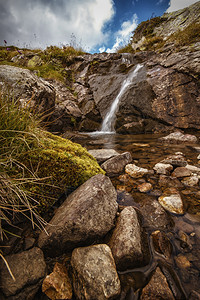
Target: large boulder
[[88, 213], [28, 268], [28, 88], [94, 273]]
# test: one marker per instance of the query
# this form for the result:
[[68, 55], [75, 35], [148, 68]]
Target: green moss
[[63, 163]]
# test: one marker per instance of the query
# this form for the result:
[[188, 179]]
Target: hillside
[[175, 29]]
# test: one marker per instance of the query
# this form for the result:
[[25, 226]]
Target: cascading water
[[108, 122]]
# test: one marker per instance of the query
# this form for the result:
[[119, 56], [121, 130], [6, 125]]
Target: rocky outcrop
[[26, 87], [88, 213]]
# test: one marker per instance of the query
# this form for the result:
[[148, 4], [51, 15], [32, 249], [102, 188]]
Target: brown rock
[[57, 285], [157, 288], [28, 268], [94, 273], [126, 241], [145, 187], [181, 172], [89, 212], [115, 165], [162, 243]]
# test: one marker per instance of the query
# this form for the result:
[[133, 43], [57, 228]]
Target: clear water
[[146, 151]]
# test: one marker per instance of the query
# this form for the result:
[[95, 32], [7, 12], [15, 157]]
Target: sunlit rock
[[173, 203]]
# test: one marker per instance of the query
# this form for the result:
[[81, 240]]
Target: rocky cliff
[[164, 95]]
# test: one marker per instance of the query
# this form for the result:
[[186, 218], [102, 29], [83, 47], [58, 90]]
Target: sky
[[93, 25]]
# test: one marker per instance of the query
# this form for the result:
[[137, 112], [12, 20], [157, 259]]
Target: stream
[[183, 275]]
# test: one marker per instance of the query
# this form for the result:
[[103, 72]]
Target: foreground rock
[[94, 273], [57, 285], [157, 288], [28, 268], [115, 165], [88, 213], [126, 241], [28, 88], [102, 155]]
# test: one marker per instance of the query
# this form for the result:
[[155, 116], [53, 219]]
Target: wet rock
[[135, 171], [178, 138], [168, 181], [176, 160], [173, 203], [157, 288], [94, 273], [190, 181], [195, 170], [154, 215], [88, 125], [132, 128], [28, 88], [145, 187], [181, 172], [182, 262], [162, 243], [28, 268], [126, 241], [185, 240], [115, 165], [164, 169], [102, 155], [57, 285], [88, 213]]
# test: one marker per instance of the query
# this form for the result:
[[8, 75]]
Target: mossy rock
[[61, 164]]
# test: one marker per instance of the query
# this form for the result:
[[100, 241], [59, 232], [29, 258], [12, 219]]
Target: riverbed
[[182, 268]]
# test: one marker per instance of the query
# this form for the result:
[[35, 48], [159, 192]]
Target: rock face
[[126, 241], [88, 213], [94, 273], [28, 268], [28, 88]]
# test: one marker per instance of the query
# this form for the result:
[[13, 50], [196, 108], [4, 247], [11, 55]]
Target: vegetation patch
[[36, 167], [50, 63], [187, 36]]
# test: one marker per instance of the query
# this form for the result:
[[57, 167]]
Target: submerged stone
[[157, 288], [173, 203], [135, 171]]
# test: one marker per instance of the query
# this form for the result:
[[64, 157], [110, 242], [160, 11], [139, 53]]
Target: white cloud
[[47, 22], [124, 34], [179, 4]]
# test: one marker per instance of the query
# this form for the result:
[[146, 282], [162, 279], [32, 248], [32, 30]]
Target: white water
[[108, 122]]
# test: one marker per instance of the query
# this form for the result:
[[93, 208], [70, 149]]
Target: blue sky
[[94, 25]]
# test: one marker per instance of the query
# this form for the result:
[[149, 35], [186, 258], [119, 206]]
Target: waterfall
[[108, 122]]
